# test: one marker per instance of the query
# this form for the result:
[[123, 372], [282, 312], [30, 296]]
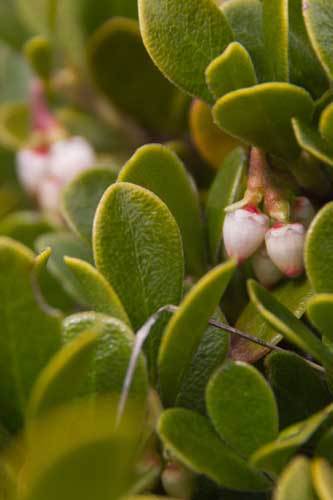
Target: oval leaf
[[29, 335], [294, 295], [322, 475], [319, 250], [311, 141], [186, 328], [255, 115], [274, 456], [318, 17], [137, 247], [191, 438], [157, 168], [300, 391], [61, 379], [183, 38], [296, 481], [276, 39], [242, 407], [230, 71], [124, 72], [80, 199], [282, 320], [320, 313]]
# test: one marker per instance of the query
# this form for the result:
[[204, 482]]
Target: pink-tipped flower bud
[[244, 231], [302, 211], [32, 167], [178, 481], [285, 246], [70, 157], [265, 269]]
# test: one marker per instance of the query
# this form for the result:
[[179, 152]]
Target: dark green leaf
[[158, 169], [183, 38], [186, 328], [242, 407], [320, 313], [276, 39], [191, 438], [311, 141]]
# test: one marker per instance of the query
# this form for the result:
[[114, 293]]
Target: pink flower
[[244, 231], [265, 270], [302, 211], [285, 246]]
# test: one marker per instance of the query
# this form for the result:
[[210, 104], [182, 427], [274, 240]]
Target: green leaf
[[274, 456], [242, 407], [29, 336], [47, 11], [282, 320], [14, 124], [137, 247], [116, 57], [255, 115], [225, 190], [212, 351], [318, 18], [111, 359], [299, 390], [296, 481], [76, 452], [64, 245], [186, 328], [324, 447], [232, 70], [294, 294], [320, 313], [191, 439], [276, 39], [157, 168], [12, 29], [25, 227], [319, 250], [326, 123], [311, 141], [245, 19], [305, 69], [212, 143], [183, 38], [80, 199], [322, 476], [61, 379], [96, 293]]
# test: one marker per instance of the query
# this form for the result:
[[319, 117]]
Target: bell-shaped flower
[[265, 269], [69, 157], [244, 232], [285, 246], [32, 167]]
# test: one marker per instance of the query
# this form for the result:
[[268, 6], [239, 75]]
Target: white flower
[[243, 232], [32, 167], [48, 196], [265, 270], [70, 157], [285, 246], [302, 211]]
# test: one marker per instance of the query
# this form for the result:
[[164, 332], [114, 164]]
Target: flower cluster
[[44, 171], [276, 250]]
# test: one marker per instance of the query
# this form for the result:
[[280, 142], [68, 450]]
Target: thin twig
[[143, 334]]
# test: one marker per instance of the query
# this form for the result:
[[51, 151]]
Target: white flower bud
[[243, 232], [178, 481], [285, 246], [302, 211], [70, 157], [32, 166], [265, 270], [48, 195]]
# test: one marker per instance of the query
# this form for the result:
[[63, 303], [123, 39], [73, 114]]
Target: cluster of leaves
[[83, 401]]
